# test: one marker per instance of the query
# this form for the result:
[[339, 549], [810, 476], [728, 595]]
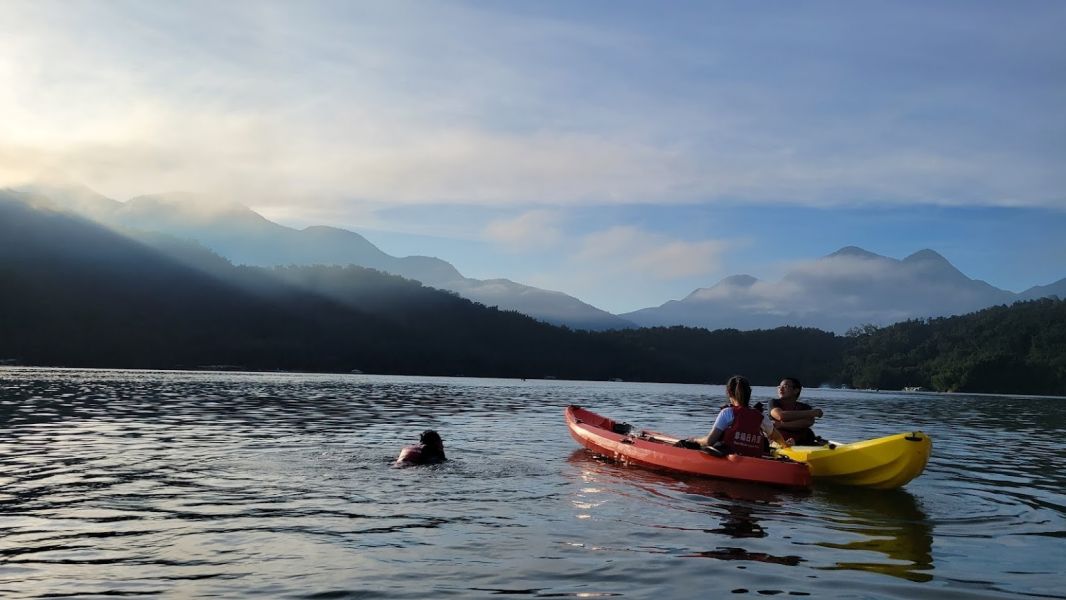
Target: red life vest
[[744, 435]]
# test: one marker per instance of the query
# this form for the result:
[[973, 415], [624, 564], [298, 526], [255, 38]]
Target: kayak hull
[[883, 463], [656, 451]]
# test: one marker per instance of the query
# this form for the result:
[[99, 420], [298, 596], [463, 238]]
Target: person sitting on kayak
[[793, 418], [429, 451], [738, 428]]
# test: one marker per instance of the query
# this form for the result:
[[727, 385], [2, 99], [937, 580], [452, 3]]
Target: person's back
[[745, 434], [738, 428]]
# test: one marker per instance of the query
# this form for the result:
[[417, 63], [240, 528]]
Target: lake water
[[183, 485]]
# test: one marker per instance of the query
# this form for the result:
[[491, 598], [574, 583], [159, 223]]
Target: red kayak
[[657, 451]]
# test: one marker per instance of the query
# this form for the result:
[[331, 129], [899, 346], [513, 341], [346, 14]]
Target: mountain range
[[246, 237], [845, 289], [76, 293]]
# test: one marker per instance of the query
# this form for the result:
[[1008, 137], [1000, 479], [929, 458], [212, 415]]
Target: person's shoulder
[[724, 417]]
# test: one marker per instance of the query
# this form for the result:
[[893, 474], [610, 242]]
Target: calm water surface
[[174, 484]]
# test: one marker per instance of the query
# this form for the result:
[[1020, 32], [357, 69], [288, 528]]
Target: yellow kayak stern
[[882, 463]]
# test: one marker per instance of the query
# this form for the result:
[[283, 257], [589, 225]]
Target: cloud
[[844, 267], [634, 250], [380, 120], [396, 103], [532, 230]]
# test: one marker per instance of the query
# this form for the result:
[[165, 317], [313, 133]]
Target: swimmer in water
[[429, 451]]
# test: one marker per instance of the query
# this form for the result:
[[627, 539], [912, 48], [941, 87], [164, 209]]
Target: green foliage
[[860, 330], [764, 356], [1017, 349]]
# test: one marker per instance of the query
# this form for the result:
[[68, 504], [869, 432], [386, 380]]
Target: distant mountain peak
[[343, 244], [738, 281], [726, 286], [835, 292], [189, 201], [931, 262], [68, 195], [64, 186], [1055, 290], [327, 230], [854, 251], [189, 207], [926, 255]]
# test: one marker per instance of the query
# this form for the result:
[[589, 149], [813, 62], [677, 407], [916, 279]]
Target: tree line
[[75, 294], [1019, 349]]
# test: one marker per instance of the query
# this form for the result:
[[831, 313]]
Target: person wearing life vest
[[739, 429], [793, 418]]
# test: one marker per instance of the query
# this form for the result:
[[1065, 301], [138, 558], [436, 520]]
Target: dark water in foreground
[[124, 483]]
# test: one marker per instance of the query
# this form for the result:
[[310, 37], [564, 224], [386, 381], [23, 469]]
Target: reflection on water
[[740, 522], [886, 522], [126, 483], [732, 503]]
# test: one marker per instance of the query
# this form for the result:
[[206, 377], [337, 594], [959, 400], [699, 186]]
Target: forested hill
[[75, 294], [1017, 349]]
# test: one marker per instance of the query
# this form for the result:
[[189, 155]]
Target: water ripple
[[139, 483]]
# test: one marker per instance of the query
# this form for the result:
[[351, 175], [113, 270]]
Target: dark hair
[[431, 438], [432, 447], [738, 387], [795, 382]]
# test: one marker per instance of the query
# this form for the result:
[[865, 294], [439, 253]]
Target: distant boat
[[355, 372], [916, 388]]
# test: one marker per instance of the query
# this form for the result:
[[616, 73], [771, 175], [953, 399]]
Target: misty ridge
[[845, 289], [74, 292], [244, 237], [848, 288]]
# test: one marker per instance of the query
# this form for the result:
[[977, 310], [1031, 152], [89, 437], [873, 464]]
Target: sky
[[625, 153]]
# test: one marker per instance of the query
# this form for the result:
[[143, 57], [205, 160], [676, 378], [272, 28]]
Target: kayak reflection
[[885, 530], [736, 504], [659, 483], [889, 522]]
